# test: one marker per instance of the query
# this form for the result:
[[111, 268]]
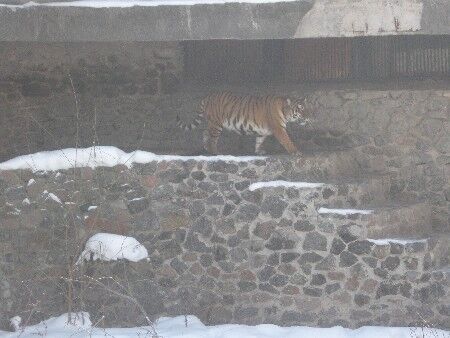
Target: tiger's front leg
[[258, 144], [282, 136]]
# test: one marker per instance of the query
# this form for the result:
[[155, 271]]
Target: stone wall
[[129, 94], [409, 129], [219, 249], [116, 88]]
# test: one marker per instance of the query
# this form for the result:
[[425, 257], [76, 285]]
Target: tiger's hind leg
[[210, 139], [258, 144], [205, 139]]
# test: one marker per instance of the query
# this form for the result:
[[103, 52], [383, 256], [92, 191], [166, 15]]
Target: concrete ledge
[[168, 23], [281, 20]]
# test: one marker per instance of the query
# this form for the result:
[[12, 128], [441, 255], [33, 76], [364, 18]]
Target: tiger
[[261, 116]]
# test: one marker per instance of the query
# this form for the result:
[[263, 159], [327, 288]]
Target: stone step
[[415, 254], [385, 219], [408, 221], [322, 165], [412, 220], [370, 190], [348, 193], [440, 246]]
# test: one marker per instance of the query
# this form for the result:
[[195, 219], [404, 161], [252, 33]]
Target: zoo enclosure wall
[[369, 96]]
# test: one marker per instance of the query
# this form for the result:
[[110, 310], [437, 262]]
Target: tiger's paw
[[296, 153]]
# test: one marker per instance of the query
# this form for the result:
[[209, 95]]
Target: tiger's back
[[251, 115]]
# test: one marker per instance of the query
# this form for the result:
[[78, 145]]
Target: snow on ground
[[132, 3], [344, 211], [286, 184], [16, 323], [175, 328], [102, 156], [54, 327], [111, 247], [386, 241]]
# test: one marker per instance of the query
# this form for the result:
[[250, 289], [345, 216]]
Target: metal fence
[[311, 60]]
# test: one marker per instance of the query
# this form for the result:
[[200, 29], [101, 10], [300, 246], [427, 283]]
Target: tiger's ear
[[288, 101]]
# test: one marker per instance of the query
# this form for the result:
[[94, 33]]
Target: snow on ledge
[[102, 156], [133, 3], [286, 184], [386, 241], [111, 247], [176, 327], [344, 211]]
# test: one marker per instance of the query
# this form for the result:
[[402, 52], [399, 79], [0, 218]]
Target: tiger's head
[[295, 110]]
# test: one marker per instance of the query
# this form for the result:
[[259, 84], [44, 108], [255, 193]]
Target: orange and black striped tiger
[[254, 115]]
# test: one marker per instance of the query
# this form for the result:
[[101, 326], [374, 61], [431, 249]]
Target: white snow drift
[[102, 156], [111, 247], [175, 328], [344, 211], [386, 241], [286, 184]]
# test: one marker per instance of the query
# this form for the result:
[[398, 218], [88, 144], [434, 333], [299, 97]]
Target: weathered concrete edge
[[159, 23], [175, 23]]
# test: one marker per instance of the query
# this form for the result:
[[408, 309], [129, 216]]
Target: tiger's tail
[[194, 122]]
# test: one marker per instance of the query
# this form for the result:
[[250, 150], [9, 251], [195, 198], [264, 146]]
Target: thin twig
[[128, 297], [77, 111]]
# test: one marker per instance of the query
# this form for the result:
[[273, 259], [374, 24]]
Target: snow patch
[[15, 323], [104, 156], [15, 210], [92, 207], [386, 241], [31, 182], [344, 211], [111, 247], [364, 17], [51, 196], [132, 3], [26, 201], [54, 327], [137, 198], [57, 327], [286, 184]]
